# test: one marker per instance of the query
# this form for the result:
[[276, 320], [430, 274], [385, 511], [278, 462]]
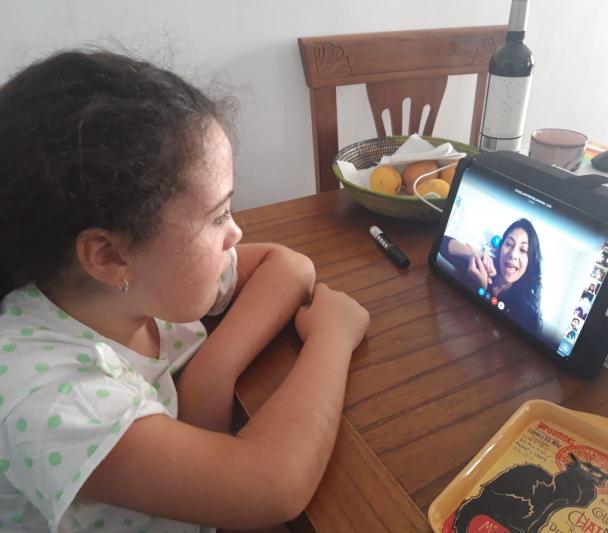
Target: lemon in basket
[[436, 185], [385, 179]]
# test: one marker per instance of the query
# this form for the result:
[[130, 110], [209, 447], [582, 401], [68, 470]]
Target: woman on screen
[[513, 275]]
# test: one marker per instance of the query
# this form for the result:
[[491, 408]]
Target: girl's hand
[[333, 314]]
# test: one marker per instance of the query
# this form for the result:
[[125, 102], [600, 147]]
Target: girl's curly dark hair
[[523, 297], [90, 139]]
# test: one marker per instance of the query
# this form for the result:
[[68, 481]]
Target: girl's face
[[176, 276], [514, 255]]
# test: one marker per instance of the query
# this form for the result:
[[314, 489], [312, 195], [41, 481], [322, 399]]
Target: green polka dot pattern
[[54, 421], [33, 292], [64, 388], [55, 459], [83, 358]]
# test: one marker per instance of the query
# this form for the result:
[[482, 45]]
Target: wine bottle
[[509, 81]]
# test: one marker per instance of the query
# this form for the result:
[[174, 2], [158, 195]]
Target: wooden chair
[[393, 66]]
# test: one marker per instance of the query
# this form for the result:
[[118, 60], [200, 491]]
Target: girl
[[116, 235]]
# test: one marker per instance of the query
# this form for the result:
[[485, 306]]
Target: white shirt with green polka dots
[[67, 395]]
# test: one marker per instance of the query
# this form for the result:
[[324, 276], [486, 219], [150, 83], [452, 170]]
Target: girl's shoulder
[[43, 348], [66, 398], [33, 328]]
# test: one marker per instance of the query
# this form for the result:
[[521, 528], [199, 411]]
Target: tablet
[[529, 243]]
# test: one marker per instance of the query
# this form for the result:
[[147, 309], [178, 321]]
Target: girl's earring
[[124, 287]]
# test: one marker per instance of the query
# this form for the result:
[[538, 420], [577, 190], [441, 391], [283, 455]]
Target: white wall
[[251, 46]]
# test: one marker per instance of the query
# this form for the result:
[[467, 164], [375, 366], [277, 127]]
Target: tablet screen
[[536, 260]]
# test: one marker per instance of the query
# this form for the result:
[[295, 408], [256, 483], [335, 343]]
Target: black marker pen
[[396, 255]]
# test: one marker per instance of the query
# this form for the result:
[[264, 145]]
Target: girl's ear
[[103, 255]]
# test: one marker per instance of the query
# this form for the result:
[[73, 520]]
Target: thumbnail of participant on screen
[[591, 291], [571, 335], [514, 275], [584, 306], [604, 260], [598, 273]]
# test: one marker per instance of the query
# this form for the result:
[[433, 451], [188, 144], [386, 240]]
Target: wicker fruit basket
[[365, 154]]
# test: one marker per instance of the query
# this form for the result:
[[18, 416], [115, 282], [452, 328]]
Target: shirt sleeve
[[228, 281], [55, 437]]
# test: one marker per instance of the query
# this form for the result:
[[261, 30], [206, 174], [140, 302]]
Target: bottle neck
[[513, 36], [518, 16]]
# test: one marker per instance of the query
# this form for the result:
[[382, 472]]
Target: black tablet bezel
[[588, 355]]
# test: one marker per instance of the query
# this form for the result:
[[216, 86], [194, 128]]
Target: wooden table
[[433, 381]]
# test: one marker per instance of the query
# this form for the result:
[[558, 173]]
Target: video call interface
[[533, 259]]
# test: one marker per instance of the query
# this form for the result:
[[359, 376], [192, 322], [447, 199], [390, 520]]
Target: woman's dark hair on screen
[[90, 139], [524, 295]]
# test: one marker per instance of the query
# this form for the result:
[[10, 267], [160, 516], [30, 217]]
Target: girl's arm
[[273, 281], [267, 473]]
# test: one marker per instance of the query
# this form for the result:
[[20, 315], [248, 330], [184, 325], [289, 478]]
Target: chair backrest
[[393, 66]]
